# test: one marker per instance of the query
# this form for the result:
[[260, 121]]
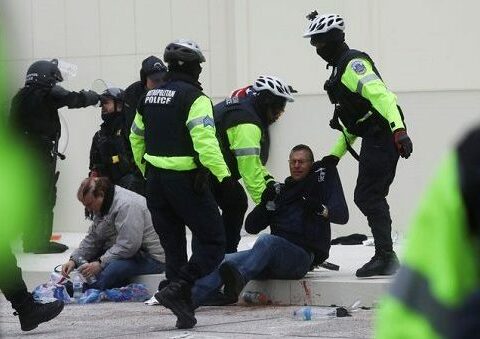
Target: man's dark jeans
[[271, 257]]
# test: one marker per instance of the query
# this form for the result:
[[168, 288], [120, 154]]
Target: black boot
[[233, 281], [31, 314], [219, 299], [382, 263], [176, 297]]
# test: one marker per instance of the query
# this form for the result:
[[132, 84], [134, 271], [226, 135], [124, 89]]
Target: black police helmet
[[115, 93], [151, 65], [44, 73]]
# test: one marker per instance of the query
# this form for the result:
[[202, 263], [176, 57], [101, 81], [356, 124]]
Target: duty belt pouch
[[328, 87]]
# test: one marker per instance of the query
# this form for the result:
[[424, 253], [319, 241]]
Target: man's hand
[[329, 160], [403, 143], [90, 269], [314, 205], [67, 268]]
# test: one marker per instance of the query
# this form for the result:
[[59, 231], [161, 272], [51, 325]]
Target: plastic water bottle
[[255, 298], [309, 313], [81, 262], [77, 283]]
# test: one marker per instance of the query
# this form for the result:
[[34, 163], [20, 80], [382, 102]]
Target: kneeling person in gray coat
[[121, 242]]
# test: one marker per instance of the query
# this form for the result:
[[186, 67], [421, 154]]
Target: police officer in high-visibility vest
[[242, 128], [173, 134], [365, 108], [436, 291]]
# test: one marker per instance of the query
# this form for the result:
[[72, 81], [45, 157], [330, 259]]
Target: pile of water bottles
[[56, 289]]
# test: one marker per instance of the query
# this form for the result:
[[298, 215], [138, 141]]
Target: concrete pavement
[[135, 320]]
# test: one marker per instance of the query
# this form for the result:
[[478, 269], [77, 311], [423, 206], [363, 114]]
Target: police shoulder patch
[[208, 121], [358, 66]]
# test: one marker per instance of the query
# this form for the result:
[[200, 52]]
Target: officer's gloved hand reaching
[[403, 143], [91, 97]]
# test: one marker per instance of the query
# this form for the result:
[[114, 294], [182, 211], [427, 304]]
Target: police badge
[[358, 67]]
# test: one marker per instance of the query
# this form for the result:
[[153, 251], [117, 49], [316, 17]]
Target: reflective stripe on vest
[[246, 151], [184, 163], [137, 130], [364, 80], [205, 120], [413, 290]]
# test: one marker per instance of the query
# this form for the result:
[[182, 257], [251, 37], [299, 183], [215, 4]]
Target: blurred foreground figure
[[436, 291], [18, 199]]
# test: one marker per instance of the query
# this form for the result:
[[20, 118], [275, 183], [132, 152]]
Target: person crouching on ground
[[121, 242]]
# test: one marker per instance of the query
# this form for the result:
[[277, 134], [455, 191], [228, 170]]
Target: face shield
[[67, 69]]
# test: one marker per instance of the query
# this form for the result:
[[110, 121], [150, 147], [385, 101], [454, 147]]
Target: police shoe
[[233, 281], [382, 263], [31, 314], [174, 297], [220, 299]]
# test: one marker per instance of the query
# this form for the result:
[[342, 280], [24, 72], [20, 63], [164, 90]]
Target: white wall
[[425, 50]]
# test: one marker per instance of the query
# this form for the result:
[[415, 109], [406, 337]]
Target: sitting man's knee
[[265, 240]]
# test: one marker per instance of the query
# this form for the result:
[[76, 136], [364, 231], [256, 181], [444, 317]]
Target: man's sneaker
[[382, 263], [31, 314], [233, 281], [174, 298], [152, 301]]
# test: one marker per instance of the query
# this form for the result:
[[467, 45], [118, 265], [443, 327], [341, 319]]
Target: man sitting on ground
[[121, 243], [299, 213]]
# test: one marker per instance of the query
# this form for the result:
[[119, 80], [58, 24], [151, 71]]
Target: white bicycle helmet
[[184, 50], [275, 85], [323, 24]]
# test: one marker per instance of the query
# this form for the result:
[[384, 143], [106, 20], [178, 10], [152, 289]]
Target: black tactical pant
[[38, 236], [376, 171], [174, 204], [11, 281], [233, 203]]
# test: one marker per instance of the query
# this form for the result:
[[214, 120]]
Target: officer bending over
[[242, 128]]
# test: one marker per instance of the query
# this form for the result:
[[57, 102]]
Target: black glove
[[91, 97], [314, 205], [403, 143], [329, 160], [227, 184], [270, 192], [201, 180]]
